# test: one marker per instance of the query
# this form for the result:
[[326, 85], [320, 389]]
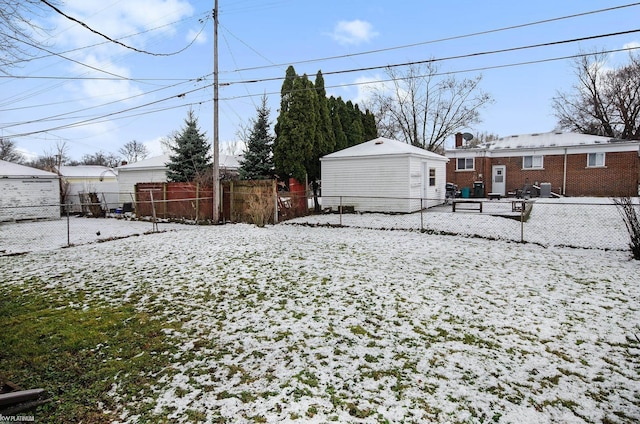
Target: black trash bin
[[478, 189]]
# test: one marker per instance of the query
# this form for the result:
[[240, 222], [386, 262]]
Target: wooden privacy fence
[[257, 201], [191, 201], [252, 201]]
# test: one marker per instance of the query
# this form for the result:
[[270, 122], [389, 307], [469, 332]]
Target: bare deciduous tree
[[423, 108], [133, 151], [100, 158], [604, 101], [17, 27], [9, 152]]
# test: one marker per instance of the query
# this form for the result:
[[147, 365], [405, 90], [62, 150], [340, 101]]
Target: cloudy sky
[[95, 95]]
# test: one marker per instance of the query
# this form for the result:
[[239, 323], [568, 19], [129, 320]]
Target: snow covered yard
[[297, 324]]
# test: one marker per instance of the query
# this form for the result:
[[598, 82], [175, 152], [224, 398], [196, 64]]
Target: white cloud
[[120, 19], [368, 85], [632, 45], [155, 147], [200, 36], [103, 91], [353, 32]]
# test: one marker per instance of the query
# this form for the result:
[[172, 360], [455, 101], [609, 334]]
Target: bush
[[260, 208], [631, 217]]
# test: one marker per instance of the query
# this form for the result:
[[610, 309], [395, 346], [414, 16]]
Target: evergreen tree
[[191, 158], [369, 124], [296, 126], [324, 142], [338, 129], [355, 129], [257, 163]]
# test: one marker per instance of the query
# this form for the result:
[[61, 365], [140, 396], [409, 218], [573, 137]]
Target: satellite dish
[[467, 136]]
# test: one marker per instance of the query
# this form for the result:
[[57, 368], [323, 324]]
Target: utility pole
[[216, 147]]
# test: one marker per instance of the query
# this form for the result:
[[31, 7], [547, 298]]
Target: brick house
[[573, 164]]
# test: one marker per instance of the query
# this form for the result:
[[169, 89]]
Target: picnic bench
[[467, 205]]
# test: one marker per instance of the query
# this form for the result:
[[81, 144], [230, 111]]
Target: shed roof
[[160, 162], [10, 169], [384, 147], [90, 171]]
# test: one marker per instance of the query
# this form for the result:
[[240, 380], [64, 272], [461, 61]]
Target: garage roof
[[10, 169], [384, 147]]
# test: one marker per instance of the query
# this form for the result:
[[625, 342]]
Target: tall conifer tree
[[257, 163], [191, 158]]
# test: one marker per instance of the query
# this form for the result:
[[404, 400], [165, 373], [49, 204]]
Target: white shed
[[151, 170], [84, 179], [28, 193], [383, 175]]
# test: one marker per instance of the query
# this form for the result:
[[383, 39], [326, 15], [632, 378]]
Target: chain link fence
[[592, 223], [47, 227], [575, 222]]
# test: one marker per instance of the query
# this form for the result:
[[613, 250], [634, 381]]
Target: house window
[[595, 159], [432, 177], [532, 162], [465, 164]]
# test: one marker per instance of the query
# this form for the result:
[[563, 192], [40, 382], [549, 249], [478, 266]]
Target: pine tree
[[354, 130], [257, 163], [324, 142], [296, 126], [191, 158], [338, 129], [370, 128]]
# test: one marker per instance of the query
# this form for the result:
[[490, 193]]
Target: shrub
[[260, 208], [631, 217]]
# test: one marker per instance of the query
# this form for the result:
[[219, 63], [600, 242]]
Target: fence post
[[340, 210], [421, 216], [68, 206], [524, 206], [275, 202], [153, 209]]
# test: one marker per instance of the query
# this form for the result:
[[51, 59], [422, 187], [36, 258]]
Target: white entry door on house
[[499, 180]]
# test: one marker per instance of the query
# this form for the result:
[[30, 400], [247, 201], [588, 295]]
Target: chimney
[[458, 140], [123, 163]]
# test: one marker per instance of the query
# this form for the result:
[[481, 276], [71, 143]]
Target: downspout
[[564, 174]]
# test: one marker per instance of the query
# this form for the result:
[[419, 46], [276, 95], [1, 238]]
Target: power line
[[31, 59], [461, 71], [86, 121], [464, 56], [422, 43], [115, 114], [59, 116], [115, 41]]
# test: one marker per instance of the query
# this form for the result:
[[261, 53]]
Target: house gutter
[[564, 174]]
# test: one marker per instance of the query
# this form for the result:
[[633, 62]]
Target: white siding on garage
[[127, 180], [29, 198], [382, 175], [378, 184]]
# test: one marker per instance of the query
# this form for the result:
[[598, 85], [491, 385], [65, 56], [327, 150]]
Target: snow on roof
[[153, 162], [9, 169], [383, 147], [542, 140], [160, 162], [94, 171]]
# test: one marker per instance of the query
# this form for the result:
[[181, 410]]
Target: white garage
[[383, 175], [28, 193]]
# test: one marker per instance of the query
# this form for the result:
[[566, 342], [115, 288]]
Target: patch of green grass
[[76, 353], [358, 330]]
